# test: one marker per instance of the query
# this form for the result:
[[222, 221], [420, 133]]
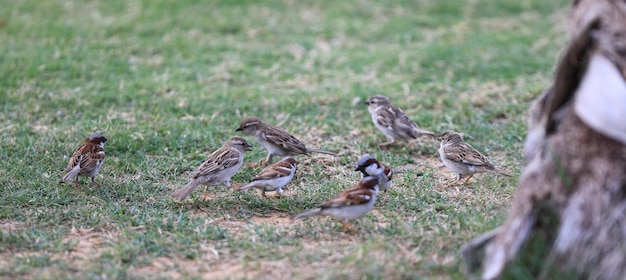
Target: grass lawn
[[169, 81]]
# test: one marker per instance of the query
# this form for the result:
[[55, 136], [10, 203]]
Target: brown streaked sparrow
[[370, 166], [392, 121], [350, 204], [462, 158], [86, 160], [273, 177], [218, 168], [276, 141]]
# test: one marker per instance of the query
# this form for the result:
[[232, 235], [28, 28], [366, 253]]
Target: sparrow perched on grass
[[218, 168], [86, 160], [462, 158], [391, 121], [350, 204], [273, 177], [370, 166], [276, 141]]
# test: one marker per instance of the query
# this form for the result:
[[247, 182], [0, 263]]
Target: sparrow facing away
[[462, 158], [392, 121], [276, 141], [273, 177], [218, 168], [370, 166], [350, 204], [86, 160]]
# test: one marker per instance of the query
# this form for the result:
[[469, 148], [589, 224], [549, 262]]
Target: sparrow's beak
[[367, 102], [239, 129], [249, 147], [360, 168]]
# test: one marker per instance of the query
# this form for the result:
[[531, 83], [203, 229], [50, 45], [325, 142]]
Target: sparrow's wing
[[353, 196], [283, 139], [465, 153], [219, 160], [387, 117], [77, 158], [86, 156], [277, 170], [404, 125]]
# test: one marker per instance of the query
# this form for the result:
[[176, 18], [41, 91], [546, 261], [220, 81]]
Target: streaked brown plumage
[[218, 168], [348, 205], [392, 121], [463, 159], [275, 140], [273, 177], [86, 160]]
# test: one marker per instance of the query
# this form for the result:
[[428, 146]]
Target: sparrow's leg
[[384, 201], [469, 177], [456, 182], [349, 227], [277, 196], [76, 184], [205, 196], [385, 144], [267, 159], [93, 180], [263, 193]]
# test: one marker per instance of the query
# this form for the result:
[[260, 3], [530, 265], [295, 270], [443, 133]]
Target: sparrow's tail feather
[[247, 186], [71, 174], [321, 152], [505, 173], [424, 132], [306, 214], [184, 192]]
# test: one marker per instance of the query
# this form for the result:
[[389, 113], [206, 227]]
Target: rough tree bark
[[568, 217]]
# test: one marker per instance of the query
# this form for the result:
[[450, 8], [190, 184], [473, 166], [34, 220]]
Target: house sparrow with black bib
[[370, 166], [350, 204], [86, 160]]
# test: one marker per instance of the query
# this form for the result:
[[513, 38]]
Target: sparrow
[[276, 141], [370, 166], [462, 158], [350, 204], [392, 121], [86, 160], [218, 168], [273, 177]]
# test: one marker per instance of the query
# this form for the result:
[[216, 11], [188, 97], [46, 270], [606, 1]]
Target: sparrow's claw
[[349, 227], [385, 144]]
